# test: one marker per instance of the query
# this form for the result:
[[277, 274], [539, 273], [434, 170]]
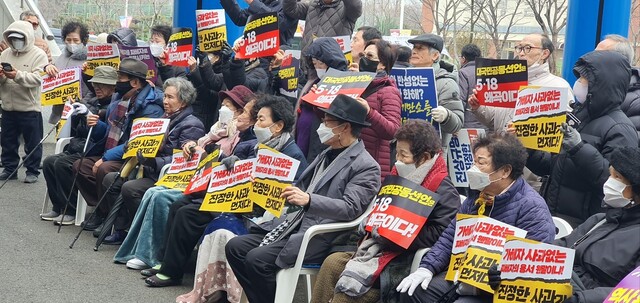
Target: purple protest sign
[[142, 53], [628, 290]]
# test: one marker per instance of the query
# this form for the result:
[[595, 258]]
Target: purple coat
[[521, 206]]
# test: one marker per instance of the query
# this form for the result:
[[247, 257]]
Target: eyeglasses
[[526, 48], [370, 55]]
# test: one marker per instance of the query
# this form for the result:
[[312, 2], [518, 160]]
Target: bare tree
[[443, 13], [634, 29], [383, 14], [497, 18], [551, 15]]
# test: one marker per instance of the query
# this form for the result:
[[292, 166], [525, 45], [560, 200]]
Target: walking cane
[[29, 155], [75, 177], [126, 169]]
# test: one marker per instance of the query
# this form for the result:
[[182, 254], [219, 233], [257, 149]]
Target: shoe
[[98, 231], [154, 281], [115, 238], [92, 224], [49, 216], [30, 179], [5, 175], [66, 220], [136, 263], [150, 271]]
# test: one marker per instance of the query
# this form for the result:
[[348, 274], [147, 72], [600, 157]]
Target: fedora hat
[[133, 67], [348, 109]]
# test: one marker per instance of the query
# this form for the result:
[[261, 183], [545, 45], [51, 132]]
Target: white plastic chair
[[287, 279], [81, 207], [418, 257], [563, 227]]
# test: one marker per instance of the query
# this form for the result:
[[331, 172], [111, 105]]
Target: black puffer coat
[[124, 36], [631, 104], [573, 190], [606, 255]]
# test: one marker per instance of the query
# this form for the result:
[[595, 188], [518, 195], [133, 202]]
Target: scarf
[[484, 200], [276, 143], [80, 55], [116, 121], [417, 176]]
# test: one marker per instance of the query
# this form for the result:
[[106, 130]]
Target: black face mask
[[123, 87], [367, 65]]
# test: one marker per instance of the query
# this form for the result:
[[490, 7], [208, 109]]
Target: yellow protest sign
[[101, 54], [147, 136], [461, 240], [539, 113], [212, 30], [56, 90], [180, 171], [534, 272], [228, 191], [272, 172], [200, 180]]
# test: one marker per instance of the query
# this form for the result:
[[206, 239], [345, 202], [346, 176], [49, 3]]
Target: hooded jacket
[[631, 104], [239, 16], [337, 18], [124, 36], [327, 50], [22, 94], [606, 255], [573, 190]]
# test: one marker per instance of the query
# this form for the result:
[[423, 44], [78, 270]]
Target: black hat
[[347, 109], [133, 67], [626, 160], [430, 40]]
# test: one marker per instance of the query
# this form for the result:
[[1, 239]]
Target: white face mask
[[156, 49], [225, 115], [613, 195], [321, 72], [325, 133], [405, 169], [580, 91], [18, 44], [263, 133], [479, 180], [73, 48]]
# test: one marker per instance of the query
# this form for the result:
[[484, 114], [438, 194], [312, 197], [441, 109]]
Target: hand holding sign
[[571, 136], [295, 196]]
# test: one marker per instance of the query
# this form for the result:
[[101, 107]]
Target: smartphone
[[6, 67]]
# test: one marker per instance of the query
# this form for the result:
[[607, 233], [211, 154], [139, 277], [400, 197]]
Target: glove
[[230, 161], [421, 277], [126, 146], [571, 136], [494, 277], [440, 114], [465, 289], [225, 53], [201, 56], [80, 108], [149, 162], [361, 227]]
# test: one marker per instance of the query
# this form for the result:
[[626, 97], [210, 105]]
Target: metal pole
[[401, 27], [126, 8]]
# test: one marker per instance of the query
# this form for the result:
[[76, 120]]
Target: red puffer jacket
[[385, 102]]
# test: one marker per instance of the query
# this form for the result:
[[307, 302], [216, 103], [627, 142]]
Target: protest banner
[[628, 290], [418, 89], [401, 209], [261, 37], [477, 245], [179, 47], [499, 80], [539, 114], [228, 191], [146, 135], [532, 271], [57, 90], [345, 47], [142, 53], [272, 173], [180, 171], [200, 180], [460, 155], [289, 72], [212, 30], [64, 128], [101, 54], [336, 82]]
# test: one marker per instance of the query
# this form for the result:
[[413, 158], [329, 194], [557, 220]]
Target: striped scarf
[[116, 121]]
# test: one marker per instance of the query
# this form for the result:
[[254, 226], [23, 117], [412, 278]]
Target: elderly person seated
[[607, 246], [499, 192], [179, 93], [420, 160], [337, 186]]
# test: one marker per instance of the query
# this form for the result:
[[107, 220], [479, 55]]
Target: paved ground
[[38, 266]]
